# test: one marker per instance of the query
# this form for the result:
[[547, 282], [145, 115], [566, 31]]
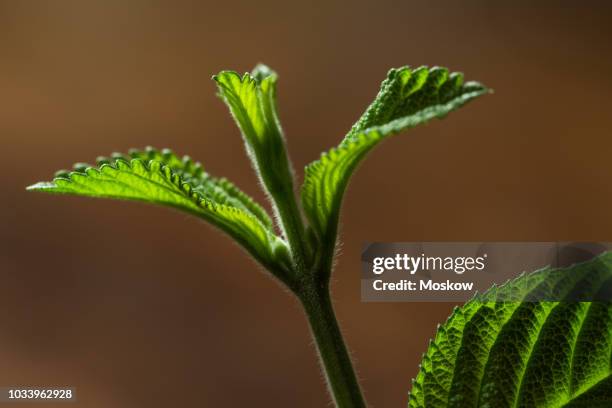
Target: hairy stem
[[334, 356], [292, 223]]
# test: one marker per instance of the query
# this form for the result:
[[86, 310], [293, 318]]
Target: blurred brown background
[[138, 306]]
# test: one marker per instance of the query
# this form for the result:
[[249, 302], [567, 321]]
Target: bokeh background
[[138, 306]]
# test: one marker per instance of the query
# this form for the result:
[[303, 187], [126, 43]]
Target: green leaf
[[529, 353], [162, 178], [407, 98], [219, 190], [251, 99]]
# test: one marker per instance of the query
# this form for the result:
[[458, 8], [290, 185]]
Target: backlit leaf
[[162, 178], [407, 98], [530, 353]]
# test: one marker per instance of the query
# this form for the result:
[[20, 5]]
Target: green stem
[[290, 217], [334, 356]]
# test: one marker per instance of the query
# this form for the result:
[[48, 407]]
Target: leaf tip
[[41, 186]]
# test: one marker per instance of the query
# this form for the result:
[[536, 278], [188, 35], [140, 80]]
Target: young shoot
[[302, 255]]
